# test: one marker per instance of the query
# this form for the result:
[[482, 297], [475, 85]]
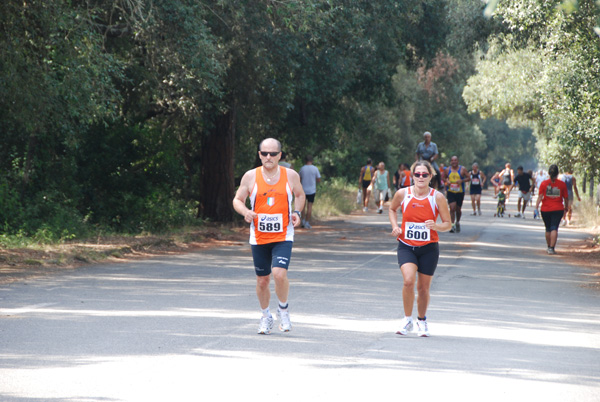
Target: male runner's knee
[[279, 273], [263, 281]]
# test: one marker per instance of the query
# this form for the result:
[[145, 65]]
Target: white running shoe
[[406, 326], [307, 225], [284, 320], [422, 328], [266, 325]]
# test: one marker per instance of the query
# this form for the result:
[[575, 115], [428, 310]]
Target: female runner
[[418, 250], [554, 197]]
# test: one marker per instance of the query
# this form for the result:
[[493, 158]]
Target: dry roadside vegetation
[[586, 253], [32, 261]]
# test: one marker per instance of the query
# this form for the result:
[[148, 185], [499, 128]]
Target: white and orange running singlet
[[415, 211], [273, 204]]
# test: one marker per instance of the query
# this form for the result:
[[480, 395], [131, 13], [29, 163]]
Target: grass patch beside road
[[22, 258], [588, 214], [334, 197]]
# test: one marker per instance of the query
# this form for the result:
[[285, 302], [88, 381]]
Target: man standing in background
[[428, 151], [283, 161], [309, 176]]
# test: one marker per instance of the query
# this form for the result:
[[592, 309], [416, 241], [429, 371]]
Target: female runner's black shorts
[[552, 219], [425, 257]]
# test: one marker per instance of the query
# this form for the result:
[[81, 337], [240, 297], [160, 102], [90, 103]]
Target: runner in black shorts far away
[[418, 250], [477, 182], [364, 181], [456, 177]]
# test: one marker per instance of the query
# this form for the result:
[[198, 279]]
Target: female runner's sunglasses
[[263, 153], [423, 175]]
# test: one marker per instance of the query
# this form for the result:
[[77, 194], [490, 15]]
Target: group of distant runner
[[428, 196], [527, 184], [454, 180]]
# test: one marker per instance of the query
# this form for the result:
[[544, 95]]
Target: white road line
[[24, 309]]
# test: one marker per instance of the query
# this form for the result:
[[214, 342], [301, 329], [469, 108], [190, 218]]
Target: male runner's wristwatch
[[299, 215]]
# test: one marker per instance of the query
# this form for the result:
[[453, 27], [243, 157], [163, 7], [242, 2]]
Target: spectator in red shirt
[[553, 196]]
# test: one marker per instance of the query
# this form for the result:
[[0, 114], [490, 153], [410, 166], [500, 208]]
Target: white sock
[[283, 306], [266, 312]]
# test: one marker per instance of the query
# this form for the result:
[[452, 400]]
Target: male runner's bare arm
[[467, 176], [299, 196], [242, 193], [360, 178], [575, 188]]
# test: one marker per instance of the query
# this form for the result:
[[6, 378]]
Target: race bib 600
[[416, 231], [270, 223]]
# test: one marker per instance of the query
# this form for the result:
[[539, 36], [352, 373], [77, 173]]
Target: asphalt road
[[508, 322]]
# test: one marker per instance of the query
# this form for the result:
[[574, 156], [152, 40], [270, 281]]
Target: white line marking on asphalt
[[24, 309]]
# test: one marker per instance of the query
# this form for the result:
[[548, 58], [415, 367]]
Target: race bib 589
[[270, 223]]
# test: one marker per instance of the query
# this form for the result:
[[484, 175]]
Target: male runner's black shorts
[[455, 197], [271, 255], [366, 183], [310, 198], [425, 257], [552, 219]]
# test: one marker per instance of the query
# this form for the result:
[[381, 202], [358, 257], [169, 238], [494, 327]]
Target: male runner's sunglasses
[[263, 153], [423, 175]]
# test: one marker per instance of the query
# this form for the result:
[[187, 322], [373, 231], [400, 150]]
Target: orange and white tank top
[[415, 211], [273, 204]]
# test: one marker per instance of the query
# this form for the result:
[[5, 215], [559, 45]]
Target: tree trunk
[[217, 173], [29, 162]]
